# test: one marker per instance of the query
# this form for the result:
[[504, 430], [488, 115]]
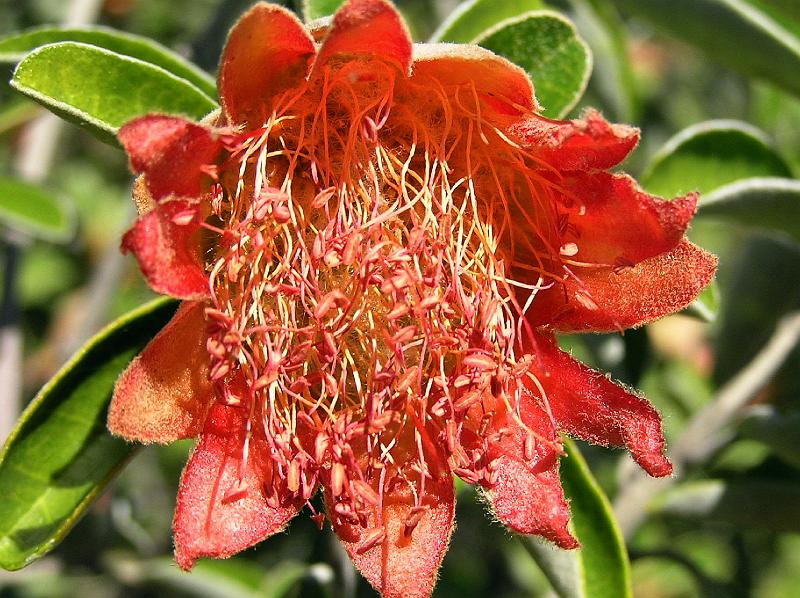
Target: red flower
[[375, 243]]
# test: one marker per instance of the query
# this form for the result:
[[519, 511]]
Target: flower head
[[375, 243]]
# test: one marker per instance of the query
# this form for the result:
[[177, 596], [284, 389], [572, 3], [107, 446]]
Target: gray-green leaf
[[33, 211], [709, 155], [60, 456], [600, 567], [102, 90], [14, 48], [474, 17], [548, 47], [768, 204]]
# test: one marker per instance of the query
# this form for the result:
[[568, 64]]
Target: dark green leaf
[[60, 456], [474, 17], [549, 48], [734, 32], [102, 90], [710, 154], [758, 504], [33, 211], [600, 567], [778, 431], [13, 48], [771, 204], [316, 9]]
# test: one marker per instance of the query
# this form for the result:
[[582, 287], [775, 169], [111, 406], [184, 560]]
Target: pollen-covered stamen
[[360, 296]]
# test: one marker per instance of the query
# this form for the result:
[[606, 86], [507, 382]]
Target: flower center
[[361, 307]]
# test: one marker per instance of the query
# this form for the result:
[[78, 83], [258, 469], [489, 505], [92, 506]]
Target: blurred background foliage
[[729, 525]]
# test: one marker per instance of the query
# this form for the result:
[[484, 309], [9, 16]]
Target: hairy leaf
[[102, 90], [14, 48], [549, 48], [474, 17], [710, 154], [60, 456]]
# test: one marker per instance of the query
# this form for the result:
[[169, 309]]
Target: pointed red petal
[[586, 404], [221, 506], [607, 299], [613, 222], [370, 29], [589, 143], [502, 84], [166, 246], [164, 393], [531, 503], [268, 53], [173, 153], [526, 492], [405, 562]]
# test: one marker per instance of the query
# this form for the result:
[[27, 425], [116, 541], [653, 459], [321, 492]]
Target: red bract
[[376, 242]]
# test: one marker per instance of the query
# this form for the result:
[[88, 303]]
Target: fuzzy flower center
[[362, 306]]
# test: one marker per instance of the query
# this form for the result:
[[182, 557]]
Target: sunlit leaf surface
[[60, 456]]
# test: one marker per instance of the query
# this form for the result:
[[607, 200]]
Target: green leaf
[[14, 48], [706, 307], [600, 567], [776, 430], [602, 26], [770, 204], [17, 113], [549, 48], [316, 9], [709, 155], [785, 12], [234, 578], [60, 456], [472, 18], [102, 90], [28, 208], [758, 504], [735, 32]]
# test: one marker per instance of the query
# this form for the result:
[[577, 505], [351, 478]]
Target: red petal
[[526, 493], [168, 250], [613, 222], [402, 565], [607, 299], [505, 86], [164, 394], [531, 503], [590, 143], [268, 53], [586, 404], [221, 505], [173, 153], [369, 29]]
